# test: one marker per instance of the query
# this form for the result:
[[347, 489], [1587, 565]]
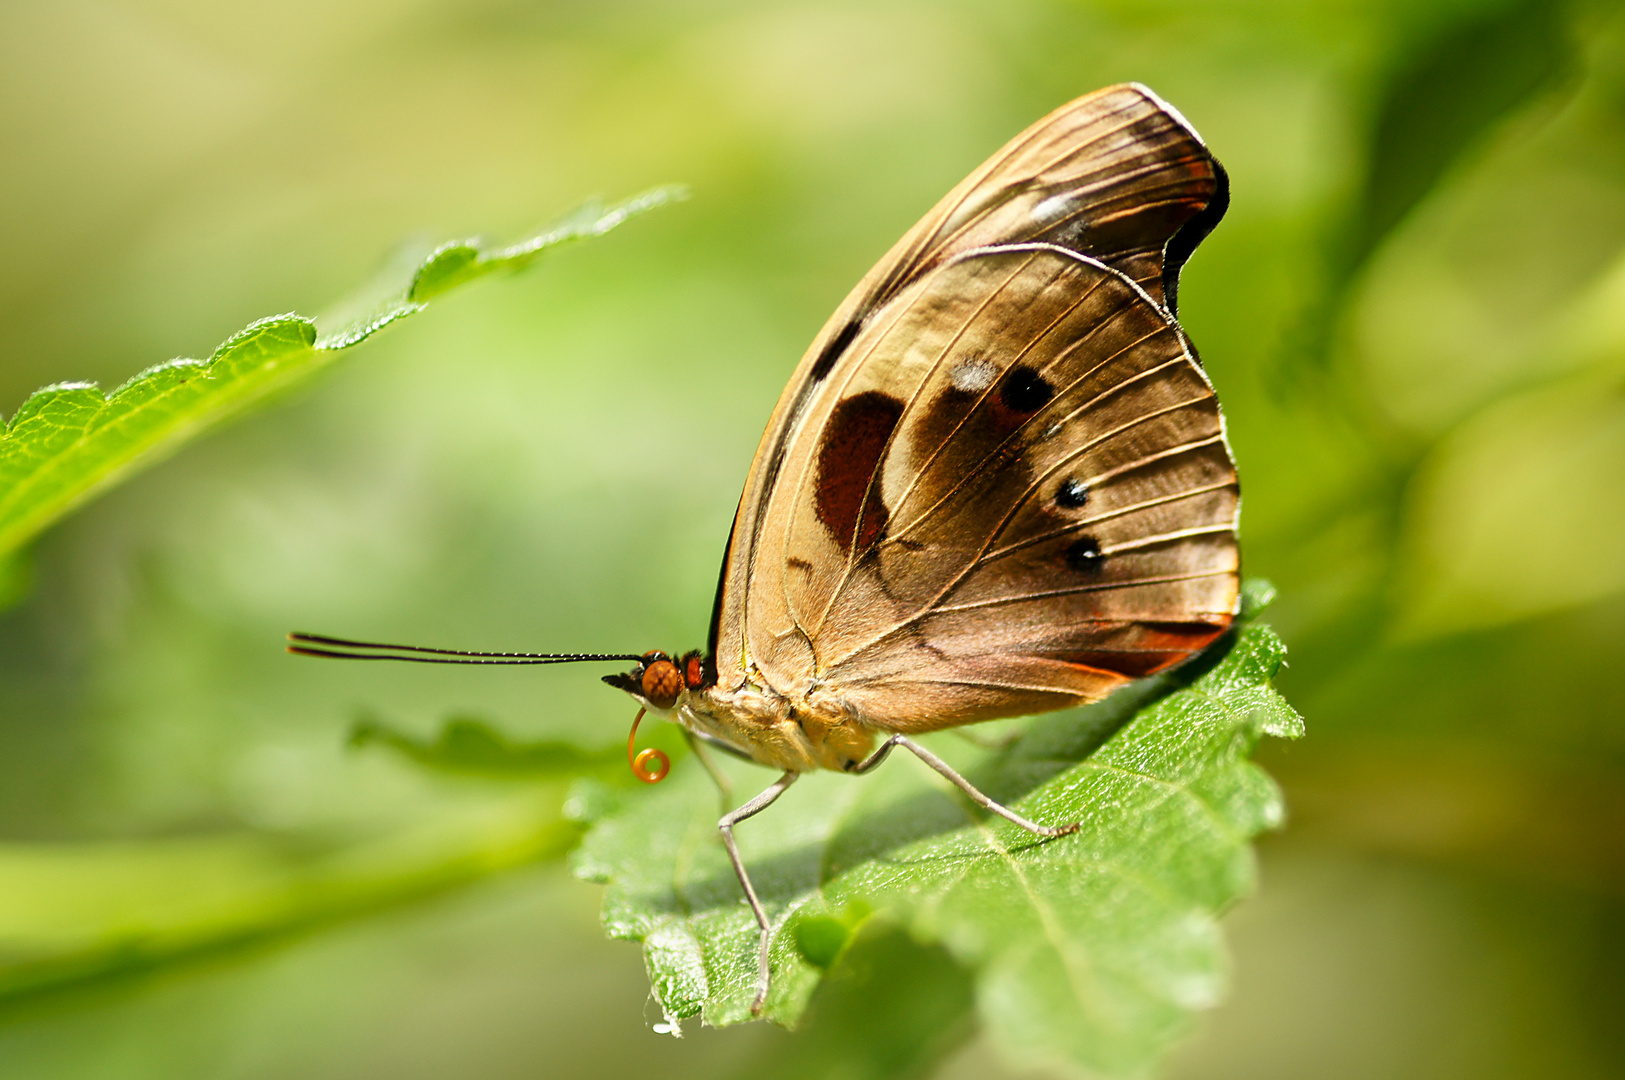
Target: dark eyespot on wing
[[832, 352], [1084, 555], [852, 443], [1072, 494], [1025, 390]]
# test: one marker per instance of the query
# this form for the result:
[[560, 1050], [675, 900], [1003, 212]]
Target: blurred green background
[[1414, 313]]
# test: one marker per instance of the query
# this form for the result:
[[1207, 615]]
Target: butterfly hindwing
[[1013, 493]]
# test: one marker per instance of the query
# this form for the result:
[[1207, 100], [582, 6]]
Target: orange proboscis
[[639, 760]]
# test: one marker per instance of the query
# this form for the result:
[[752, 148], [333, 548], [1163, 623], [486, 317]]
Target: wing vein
[[1121, 511], [1162, 538], [976, 469], [1132, 583], [953, 583], [796, 496]]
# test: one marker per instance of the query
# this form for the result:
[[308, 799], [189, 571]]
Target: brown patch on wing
[[849, 451]]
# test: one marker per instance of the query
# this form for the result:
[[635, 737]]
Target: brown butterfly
[[997, 484]]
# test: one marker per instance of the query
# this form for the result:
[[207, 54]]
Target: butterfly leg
[[962, 784], [726, 827], [724, 786]]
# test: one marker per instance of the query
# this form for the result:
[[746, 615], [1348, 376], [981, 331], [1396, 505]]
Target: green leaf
[[888, 1009], [470, 746], [69, 441], [77, 912], [1090, 950]]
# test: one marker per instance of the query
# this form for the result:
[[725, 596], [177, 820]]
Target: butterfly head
[[659, 681]]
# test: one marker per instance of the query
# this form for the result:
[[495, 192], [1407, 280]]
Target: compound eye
[[662, 682]]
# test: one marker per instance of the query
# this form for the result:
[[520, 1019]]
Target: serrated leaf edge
[[17, 529]]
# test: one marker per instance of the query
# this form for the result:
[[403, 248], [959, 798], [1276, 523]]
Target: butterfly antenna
[[345, 649]]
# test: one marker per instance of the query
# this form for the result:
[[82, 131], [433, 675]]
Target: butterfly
[[997, 483]]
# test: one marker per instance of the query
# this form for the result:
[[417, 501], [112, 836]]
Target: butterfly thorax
[[801, 734]]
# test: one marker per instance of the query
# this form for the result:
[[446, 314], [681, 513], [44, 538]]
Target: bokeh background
[[1414, 313]]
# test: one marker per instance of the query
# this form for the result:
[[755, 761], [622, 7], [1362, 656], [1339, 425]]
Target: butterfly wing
[[1014, 495], [1117, 175], [899, 539]]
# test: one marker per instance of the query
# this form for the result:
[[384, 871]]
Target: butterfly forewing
[[998, 481], [1116, 175]]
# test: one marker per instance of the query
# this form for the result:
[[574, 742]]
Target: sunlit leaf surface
[[1093, 949]]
